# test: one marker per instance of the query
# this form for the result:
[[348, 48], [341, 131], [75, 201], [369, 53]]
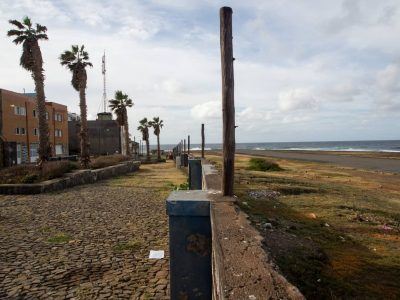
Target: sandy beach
[[385, 162]]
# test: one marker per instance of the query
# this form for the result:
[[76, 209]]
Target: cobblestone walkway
[[90, 242]]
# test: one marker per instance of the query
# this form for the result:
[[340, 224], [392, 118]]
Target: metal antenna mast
[[103, 71]]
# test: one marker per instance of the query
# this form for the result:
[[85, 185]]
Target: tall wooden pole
[[228, 104], [184, 146], [188, 144], [202, 140]]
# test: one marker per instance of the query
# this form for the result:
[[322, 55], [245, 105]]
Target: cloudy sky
[[304, 70]]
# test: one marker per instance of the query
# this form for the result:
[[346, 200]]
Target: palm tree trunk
[[37, 75], [148, 149], [126, 129], [85, 156], [158, 147]]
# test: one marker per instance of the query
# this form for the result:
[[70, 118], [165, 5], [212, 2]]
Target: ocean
[[372, 146]]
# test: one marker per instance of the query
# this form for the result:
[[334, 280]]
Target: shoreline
[[384, 162]]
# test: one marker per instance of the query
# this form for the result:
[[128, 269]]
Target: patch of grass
[[45, 229], [261, 164], [182, 186], [127, 246], [297, 190], [59, 238]]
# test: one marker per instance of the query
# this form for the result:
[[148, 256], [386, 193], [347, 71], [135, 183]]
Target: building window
[[20, 130], [19, 110], [34, 155], [58, 117], [59, 149], [34, 113], [35, 131], [47, 115], [58, 133]]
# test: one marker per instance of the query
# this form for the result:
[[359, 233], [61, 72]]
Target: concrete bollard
[[178, 162], [189, 245], [195, 174]]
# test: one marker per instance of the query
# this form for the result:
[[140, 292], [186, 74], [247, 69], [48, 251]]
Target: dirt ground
[[333, 231]]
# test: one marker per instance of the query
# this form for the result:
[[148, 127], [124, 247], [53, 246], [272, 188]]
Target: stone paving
[[89, 242]]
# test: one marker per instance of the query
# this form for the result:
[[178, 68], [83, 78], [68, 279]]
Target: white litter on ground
[[156, 254]]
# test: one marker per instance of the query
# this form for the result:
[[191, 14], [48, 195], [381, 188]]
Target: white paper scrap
[[156, 254]]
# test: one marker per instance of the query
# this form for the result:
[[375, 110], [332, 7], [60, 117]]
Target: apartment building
[[19, 127]]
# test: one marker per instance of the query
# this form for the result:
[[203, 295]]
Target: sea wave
[[340, 149], [198, 148]]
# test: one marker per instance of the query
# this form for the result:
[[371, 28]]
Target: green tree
[[76, 60], [157, 124], [31, 60], [119, 107], [144, 129]]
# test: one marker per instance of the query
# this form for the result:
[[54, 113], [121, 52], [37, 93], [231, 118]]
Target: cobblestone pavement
[[89, 242]]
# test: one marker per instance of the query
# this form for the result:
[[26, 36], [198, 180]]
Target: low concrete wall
[[241, 268], [70, 179]]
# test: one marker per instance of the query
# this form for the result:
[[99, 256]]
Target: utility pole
[[228, 104], [202, 140]]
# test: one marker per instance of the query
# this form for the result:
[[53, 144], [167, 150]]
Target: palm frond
[[42, 36], [27, 21], [40, 28], [19, 39], [16, 23], [16, 32]]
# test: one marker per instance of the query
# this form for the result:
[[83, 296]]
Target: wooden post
[[202, 140], [228, 105], [184, 146], [188, 144]]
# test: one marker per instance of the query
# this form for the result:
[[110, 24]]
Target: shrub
[[30, 178], [55, 169], [261, 164], [19, 173], [109, 160]]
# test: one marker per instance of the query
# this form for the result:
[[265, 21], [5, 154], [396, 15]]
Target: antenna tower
[[103, 71]]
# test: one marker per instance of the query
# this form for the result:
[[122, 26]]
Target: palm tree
[[119, 105], [76, 60], [144, 129], [157, 124], [31, 60]]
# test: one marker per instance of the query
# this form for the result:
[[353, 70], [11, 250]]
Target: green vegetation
[[31, 60], [77, 60], [157, 124], [260, 164], [128, 246], [59, 238], [119, 106], [143, 127]]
